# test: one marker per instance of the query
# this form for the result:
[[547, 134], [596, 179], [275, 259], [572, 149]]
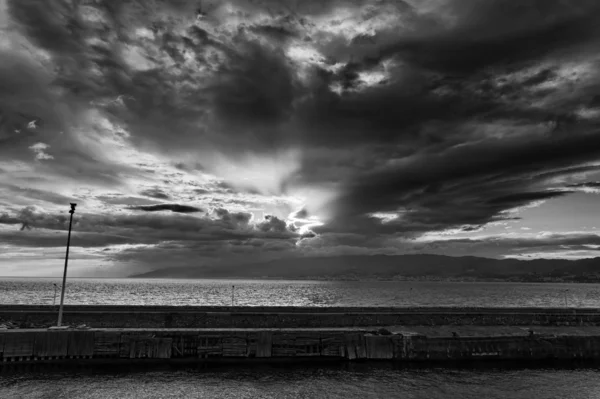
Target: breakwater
[[201, 345], [292, 317]]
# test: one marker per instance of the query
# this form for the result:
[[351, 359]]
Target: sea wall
[[226, 317], [197, 345]]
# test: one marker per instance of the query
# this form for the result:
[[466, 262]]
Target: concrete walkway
[[430, 332]]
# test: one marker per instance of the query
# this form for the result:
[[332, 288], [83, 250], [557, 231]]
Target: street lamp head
[[72, 208]]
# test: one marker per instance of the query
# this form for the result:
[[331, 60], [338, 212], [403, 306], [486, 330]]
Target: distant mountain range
[[399, 267]]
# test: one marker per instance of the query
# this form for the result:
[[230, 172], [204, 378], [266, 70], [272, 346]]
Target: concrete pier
[[122, 334], [395, 343], [293, 317]]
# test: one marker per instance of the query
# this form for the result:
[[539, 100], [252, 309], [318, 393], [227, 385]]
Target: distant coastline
[[398, 268], [579, 280]]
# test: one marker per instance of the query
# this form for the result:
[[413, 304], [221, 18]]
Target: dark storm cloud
[[236, 253], [470, 184], [168, 207], [27, 106], [254, 89], [499, 32], [152, 228], [155, 193], [486, 246], [569, 171], [59, 239], [486, 40], [32, 193], [520, 198], [247, 97], [272, 224], [256, 95], [125, 200], [30, 217], [233, 219], [454, 134], [302, 213], [53, 25], [276, 33], [158, 240]]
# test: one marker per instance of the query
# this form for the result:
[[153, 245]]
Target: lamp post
[[54, 301], [64, 281]]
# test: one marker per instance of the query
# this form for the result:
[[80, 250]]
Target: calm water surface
[[298, 293], [348, 381]]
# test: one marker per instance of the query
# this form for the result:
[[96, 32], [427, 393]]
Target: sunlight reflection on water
[[298, 293]]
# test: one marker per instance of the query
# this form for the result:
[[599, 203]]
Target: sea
[[179, 292], [349, 381]]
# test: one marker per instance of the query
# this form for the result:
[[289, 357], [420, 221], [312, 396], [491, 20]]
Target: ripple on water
[[354, 381], [299, 293]]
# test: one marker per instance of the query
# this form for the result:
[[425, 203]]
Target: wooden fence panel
[[106, 344], [308, 344], [283, 345], [355, 346], [332, 345], [51, 344], [379, 346], [264, 344], [210, 345], [235, 346], [18, 344], [151, 348], [81, 343]]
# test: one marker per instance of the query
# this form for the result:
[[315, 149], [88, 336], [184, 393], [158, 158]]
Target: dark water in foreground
[[333, 381], [299, 293]]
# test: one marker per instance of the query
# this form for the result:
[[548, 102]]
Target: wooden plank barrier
[[45, 345], [18, 345], [80, 344], [128, 347], [264, 344], [51, 344], [308, 344], [184, 344], [283, 345], [332, 345], [210, 345], [251, 344], [379, 346], [235, 346], [355, 347], [106, 344], [151, 348]]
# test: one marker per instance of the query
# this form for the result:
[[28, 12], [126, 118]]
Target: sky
[[237, 132]]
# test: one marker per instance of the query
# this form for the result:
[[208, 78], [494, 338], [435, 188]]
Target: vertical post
[[232, 294], [64, 281], [54, 301]]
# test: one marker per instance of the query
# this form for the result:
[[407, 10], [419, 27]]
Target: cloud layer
[[195, 131]]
